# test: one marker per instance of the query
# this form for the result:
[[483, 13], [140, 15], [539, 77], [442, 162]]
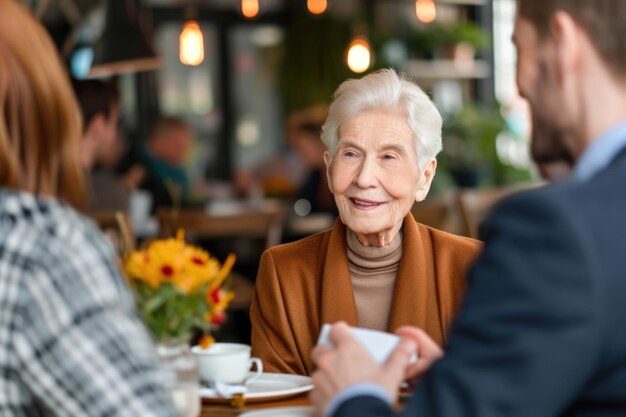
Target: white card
[[379, 344]]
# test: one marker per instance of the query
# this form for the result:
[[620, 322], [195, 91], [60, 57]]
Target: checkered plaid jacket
[[70, 341]]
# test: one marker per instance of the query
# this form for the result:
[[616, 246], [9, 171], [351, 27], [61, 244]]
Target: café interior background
[[266, 60]]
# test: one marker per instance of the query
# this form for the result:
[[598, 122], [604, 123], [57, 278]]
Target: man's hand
[[428, 352], [348, 363]]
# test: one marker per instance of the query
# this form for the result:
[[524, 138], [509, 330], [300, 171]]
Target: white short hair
[[386, 89]]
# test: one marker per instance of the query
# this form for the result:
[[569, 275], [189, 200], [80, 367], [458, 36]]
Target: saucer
[[268, 386]]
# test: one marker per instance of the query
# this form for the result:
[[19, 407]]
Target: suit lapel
[[337, 294]]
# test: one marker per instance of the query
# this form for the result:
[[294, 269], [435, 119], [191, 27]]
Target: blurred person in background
[[99, 104], [540, 332], [71, 343], [377, 267], [281, 174], [314, 189], [159, 168]]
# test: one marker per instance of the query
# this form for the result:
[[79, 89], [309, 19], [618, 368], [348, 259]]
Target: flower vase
[[182, 380]]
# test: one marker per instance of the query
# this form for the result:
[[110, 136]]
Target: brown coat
[[304, 284]]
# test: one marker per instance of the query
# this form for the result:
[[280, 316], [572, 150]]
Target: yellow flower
[[135, 267], [199, 267], [206, 341], [164, 263], [221, 276]]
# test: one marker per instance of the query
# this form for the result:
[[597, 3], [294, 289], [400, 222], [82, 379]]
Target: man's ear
[[426, 180], [327, 161], [568, 44]]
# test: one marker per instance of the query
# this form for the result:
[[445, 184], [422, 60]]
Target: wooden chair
[[476, 204], [246, 231], [267, 225], [432, 213], [117, 226]]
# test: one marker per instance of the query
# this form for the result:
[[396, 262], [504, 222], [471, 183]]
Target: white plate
[[304, 411], [268, 386]]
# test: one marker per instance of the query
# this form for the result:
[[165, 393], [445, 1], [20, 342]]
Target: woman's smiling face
[[375, 176]]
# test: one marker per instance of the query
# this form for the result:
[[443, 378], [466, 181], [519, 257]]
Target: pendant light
[[250, 8], [425, 10], [316, 6], [124, 46], [191, 41], [359, 55]]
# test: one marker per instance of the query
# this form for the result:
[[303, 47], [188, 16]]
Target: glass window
[[192, 93], [255, 81], [512, 145]]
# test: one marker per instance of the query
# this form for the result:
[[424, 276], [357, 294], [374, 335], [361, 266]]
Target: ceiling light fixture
[[191, 49], [124, 46], [359, 55], [250, 8], [425, 10], [316, 6]]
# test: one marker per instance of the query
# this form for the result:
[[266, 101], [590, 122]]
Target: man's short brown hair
[[604, 21], [95, 97], [165, 124]]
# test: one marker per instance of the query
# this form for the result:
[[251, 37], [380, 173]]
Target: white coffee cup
[[229, 363]]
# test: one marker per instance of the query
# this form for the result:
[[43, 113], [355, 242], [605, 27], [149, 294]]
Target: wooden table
[[221, 410]]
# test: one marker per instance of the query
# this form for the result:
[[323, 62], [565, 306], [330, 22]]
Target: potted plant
[[424, 43], [465, 39], [179, 288], [469, 149], [456, 41]]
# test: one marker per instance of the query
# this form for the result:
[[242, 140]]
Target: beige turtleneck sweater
[[373, 273]]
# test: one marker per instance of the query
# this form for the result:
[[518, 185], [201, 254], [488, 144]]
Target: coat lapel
[[337, 294], [415, 299]]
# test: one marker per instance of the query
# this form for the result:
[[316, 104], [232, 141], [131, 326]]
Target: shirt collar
[[600, 153]]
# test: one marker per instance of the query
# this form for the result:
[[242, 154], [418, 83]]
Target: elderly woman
[[376, 267]]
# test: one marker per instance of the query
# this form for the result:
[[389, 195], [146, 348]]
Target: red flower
[[198, 261], [218, 318], [216, 296], [167, 271]]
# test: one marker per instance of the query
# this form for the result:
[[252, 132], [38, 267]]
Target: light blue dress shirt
[[600, 153], [357, 390]]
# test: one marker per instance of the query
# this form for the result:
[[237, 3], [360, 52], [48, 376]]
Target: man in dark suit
[[540, 333]]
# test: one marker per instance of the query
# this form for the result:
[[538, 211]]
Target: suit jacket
[[302, 285], [542, 329]]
